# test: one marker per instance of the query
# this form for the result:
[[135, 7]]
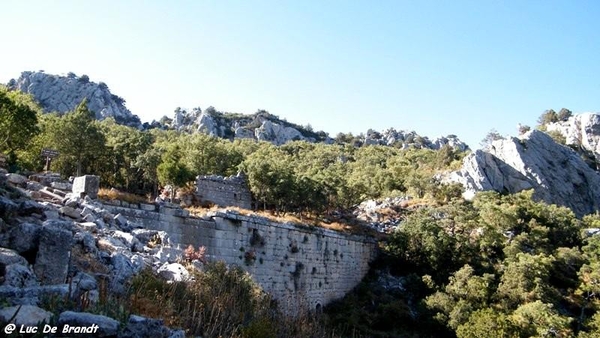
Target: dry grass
[[113, 194], [347, 224]]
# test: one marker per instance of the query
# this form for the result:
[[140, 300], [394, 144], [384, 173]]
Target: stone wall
[[301, 266], [224, 191]]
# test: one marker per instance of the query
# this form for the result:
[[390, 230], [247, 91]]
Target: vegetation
[[501, 265]]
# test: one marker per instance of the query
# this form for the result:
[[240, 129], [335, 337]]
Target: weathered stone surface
[[107, 327], [52, 261], [87, 185], [111, 244], [7, 206], [19, 276], [16, 179], [556, 173], [28, 315], [64, 93], [324, 265], [138, 327], [276, 133], [29, 207], [174, 272], [66, 186], [23, 237], [84, 282], [32, 185], [168, 255], [581, 130], [87, 241], [224, 191], [122, 270], [71, 212], [8, 256]]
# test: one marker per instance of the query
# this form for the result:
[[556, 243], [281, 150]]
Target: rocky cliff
[[57, 93], [581, 132], [557, 174], [261, 126]]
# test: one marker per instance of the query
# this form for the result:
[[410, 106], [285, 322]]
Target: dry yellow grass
[[113, 194], [311, 220]]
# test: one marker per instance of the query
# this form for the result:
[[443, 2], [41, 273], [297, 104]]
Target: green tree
[[79, 139], [18, 121], [171, 171]]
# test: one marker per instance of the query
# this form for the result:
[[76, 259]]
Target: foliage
[[18, 122], [221, 301]]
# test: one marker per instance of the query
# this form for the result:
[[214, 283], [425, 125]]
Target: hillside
[[61, 94], [56, 93]]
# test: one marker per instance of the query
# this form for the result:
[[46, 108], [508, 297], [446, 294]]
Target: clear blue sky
[[436, 67]]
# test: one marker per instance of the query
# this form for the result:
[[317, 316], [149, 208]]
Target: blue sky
[[436, 67]]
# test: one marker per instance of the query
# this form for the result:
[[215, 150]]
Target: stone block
[[52, 261], [87, 185]]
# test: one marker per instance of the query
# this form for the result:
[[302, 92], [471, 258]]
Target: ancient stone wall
[[301, 266], [224, 191]]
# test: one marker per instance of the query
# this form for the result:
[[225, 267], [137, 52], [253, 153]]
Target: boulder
[[29, 207], [84, 282], [122, 270], [27, 315], [23, 237], [16, 179], [105, 326], [71, 212], [8, 256], [7, 207], [138, 327], [174, 272], [19, 276]]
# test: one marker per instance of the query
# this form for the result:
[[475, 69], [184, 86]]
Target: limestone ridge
[[57, 93], [582, 132], [410, 139], [263, 126], [534, 161]]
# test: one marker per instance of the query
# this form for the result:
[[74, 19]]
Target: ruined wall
[[301, 266], [224, 191]]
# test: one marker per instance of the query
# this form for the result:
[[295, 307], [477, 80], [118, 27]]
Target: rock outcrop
[[410, 139], [57, 93], [534, 161], [582, 132]]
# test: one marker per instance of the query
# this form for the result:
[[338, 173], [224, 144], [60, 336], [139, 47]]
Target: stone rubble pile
[[54, 243], [385, 215]]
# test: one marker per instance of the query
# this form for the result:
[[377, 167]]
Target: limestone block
[[88, 185]]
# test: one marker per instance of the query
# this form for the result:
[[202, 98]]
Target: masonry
[[301, 266], [224, 191]]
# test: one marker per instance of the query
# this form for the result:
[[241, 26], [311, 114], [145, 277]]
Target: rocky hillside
[[57, 93], [263, 126], [56, 245], [557, 174]]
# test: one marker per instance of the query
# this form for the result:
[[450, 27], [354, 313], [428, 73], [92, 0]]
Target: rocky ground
[[56, 245]]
